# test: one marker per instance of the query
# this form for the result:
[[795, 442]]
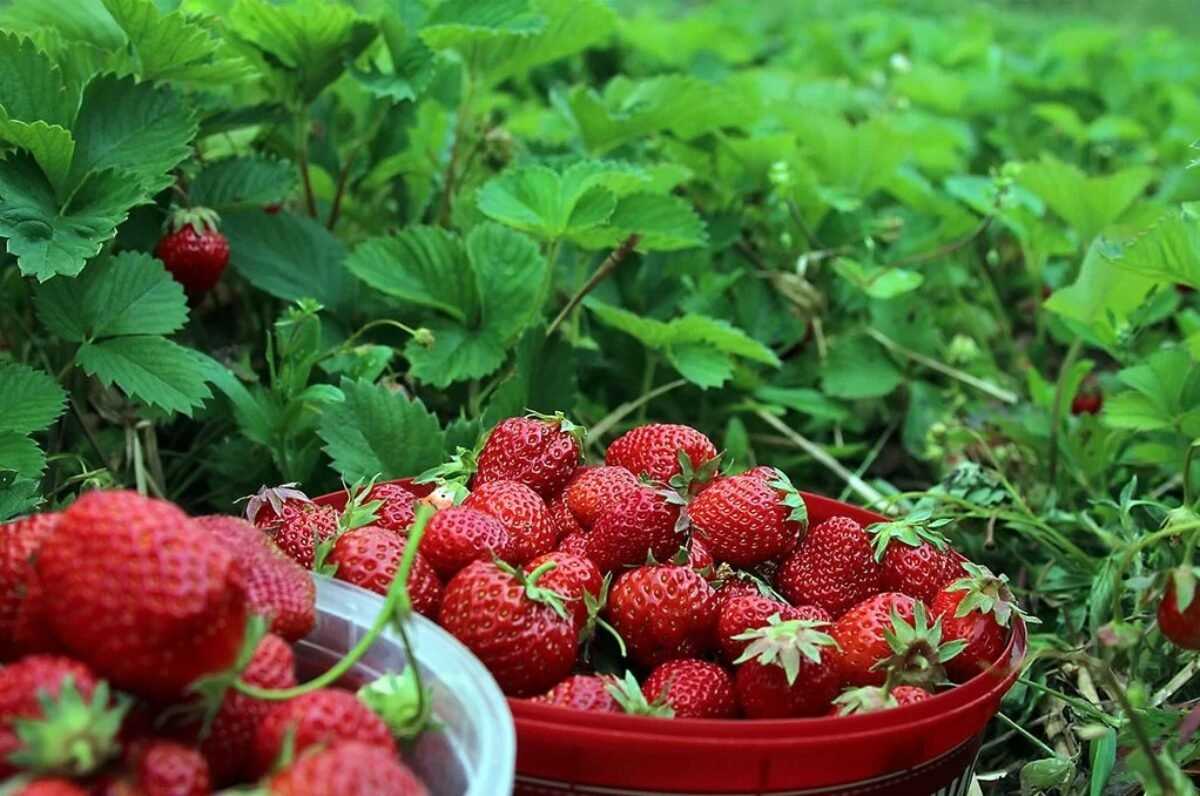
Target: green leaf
[[1103, 295], [545, 378], [1168, 252], [465, 24], [1103, 755], [684, 340], [309, 41], [21, 454], [48, 240], [289, 257], [878, 282], [131, 293], [510, 274], [413, 67], [1088, 204], [76, 20], [380, 432], [250, 182], [805, 401], [151, 369], [170, 47], [141, 129], [457, 354], [32, 399], [52, 146], [662, 222], [538, 199], [32, 87], [18, 496], [1161, 393], [630, 110], [423, 265], [858, 368]]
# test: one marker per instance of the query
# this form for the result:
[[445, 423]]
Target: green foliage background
[[882, 245]]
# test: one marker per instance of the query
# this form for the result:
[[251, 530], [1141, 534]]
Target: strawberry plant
[[933, 259]]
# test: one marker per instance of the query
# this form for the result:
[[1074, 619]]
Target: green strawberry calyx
[[786, 644], [533, 592], [792, 498], [455, 472], [988, 593], [402, 701], [727, 574], [629, 696], [359, 512], [690, 478], [867, 699], [595, 604], [273, 496], [73, 737], [916, 529], [918, 654], [200, 219], [564, 424]]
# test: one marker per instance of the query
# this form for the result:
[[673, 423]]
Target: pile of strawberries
[[148, 653], [710, 587]]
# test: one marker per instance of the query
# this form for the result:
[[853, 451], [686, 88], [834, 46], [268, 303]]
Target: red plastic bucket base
[[947, 775]]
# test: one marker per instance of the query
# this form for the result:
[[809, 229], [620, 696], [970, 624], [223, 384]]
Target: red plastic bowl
[[925, 748]]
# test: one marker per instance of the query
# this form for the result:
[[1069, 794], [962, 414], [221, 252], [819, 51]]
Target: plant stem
[[1056, 409], [601, 273], [1038, 742], [351, 158], [946, 248], [460, 129], [1188, 495], [606, 423], [1139, 730], [397, 603], [310, 200], [864, 490], [966, 378]]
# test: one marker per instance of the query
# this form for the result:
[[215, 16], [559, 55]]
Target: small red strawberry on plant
[[1179, 610], [144, 597], [531, 532], [874, 698], [194, 250], [833, 568], [347, 768], [317, 718], [916, 558], [750, 612], [459, 535], [653, 450], [540, 451], [692, 688], [1087, 403], [595, 490], [745, 520], [517, 627], [976, 612], [789, 668], [663, 611]]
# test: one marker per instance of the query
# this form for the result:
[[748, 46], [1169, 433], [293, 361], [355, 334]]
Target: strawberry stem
[[396, 604]]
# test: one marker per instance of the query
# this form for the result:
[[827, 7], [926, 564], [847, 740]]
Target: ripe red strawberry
[[574, 543], [166, 768], [276, 586], [231, 736], [397, 507], [745, 520], [1087, 403], [74, 725], [572, 578], [663, 611], [698, 557], [751, 611], [140, 594], [916, 558], [887, 638], [459, 535], [641, 524], [564, 521], [52, 786], [597, 489], [693, 689], [976, 611], [788, 669], [318, 718], [872, 698], [833, 568], [539, 451], [531, 532], [19, 540], [519, 629], [194, 250], [347, 768], [1179, 610], [369, 556], [653, 450], [582, 692]]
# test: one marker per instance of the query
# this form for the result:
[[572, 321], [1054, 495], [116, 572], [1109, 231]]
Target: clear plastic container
[[472, 752]]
